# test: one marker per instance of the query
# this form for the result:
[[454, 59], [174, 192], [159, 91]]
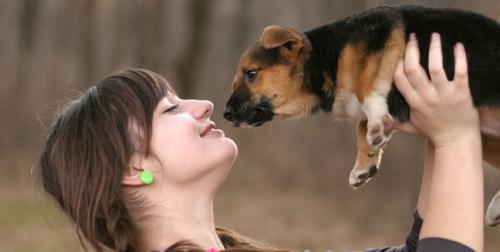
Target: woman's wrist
[[455, 139]]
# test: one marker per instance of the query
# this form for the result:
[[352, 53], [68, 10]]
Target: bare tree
[[27, 19], [85, 22], [150, 29], [189, 63]]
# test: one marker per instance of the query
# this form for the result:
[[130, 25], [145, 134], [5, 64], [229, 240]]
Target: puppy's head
[[269, 81]]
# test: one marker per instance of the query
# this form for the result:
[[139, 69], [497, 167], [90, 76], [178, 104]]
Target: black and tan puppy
[[347, 67]]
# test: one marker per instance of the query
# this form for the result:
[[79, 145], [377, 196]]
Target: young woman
[[137, 168]]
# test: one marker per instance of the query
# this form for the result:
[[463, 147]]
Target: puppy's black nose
[[373, 170], [228, 113]]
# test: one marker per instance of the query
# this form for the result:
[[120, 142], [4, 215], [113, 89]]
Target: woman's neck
[[180, 218]]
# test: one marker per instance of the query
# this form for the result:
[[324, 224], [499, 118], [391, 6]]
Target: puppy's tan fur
[[354, 73]]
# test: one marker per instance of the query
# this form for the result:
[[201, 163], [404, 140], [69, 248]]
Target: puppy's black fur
[[479, 34], [347, 67]]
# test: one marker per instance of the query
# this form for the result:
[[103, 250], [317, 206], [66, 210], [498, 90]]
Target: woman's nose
[[203, 109]]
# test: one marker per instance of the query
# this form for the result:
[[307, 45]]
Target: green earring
[[146, 177]]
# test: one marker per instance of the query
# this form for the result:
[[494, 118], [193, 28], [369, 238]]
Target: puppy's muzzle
[[246, 113]]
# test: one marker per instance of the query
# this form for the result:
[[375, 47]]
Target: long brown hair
[[89, 146]]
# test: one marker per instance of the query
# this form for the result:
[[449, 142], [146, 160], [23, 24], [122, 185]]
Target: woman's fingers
[[461, 78], [403, 84], [407, 128], [439, 108], [415, 72], [438, 76]]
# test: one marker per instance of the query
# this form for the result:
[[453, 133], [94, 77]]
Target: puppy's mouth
[[247, 114]]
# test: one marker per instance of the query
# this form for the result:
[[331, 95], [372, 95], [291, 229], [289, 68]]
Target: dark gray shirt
[[412, 244]]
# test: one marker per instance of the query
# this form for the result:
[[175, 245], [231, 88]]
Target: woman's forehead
[[171, 97]]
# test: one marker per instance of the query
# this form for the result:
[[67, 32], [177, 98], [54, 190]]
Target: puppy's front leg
[[367, 160], [377, 78]]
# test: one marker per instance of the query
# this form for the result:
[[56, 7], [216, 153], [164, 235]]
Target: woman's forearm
[[455, 205], [425, 186]]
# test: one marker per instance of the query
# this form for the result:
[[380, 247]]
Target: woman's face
[[187, 143]]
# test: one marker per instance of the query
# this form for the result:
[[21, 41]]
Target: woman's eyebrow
[[174, 99], [169, 99]]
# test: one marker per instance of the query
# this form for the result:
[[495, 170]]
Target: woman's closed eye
[[171, 109]]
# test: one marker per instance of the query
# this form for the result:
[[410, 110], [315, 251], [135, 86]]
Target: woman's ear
[[131, 174], [131, 177]]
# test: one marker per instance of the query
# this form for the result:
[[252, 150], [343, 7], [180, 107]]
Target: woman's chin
[[231, 151], [234, 146], [229, 147]]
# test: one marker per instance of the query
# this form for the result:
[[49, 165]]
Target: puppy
[[347, 67]]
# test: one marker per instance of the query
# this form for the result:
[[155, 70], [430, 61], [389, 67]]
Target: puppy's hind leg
[[367, 160], [492, 217], [491, 154]]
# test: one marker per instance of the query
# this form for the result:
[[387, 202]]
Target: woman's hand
[[442, 110], [451, 196]]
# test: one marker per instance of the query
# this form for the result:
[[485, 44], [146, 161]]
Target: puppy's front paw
[[379, 131], [492, 217]]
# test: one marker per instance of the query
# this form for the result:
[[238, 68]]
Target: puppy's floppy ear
[[290, 41]]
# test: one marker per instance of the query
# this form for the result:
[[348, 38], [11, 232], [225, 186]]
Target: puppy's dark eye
[[250, 76]]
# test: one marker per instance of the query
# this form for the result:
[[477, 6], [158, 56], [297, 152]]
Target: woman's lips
[[210, 129]]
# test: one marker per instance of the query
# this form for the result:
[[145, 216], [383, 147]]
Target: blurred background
[[289, 186]]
